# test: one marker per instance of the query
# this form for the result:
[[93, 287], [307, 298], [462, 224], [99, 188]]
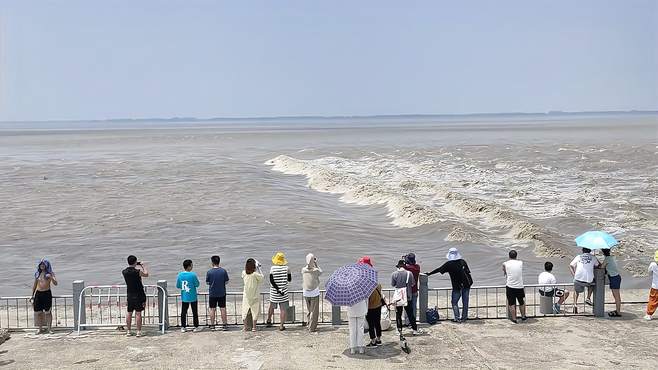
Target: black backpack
[[432, 315]]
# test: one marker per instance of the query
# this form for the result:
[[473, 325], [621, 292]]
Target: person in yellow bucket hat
[[280, 277], [652, 305]]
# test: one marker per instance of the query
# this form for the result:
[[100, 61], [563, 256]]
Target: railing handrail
[[165, 302]]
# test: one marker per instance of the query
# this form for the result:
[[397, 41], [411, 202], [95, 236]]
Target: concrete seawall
[[550, 342]]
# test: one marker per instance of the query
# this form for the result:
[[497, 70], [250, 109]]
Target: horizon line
[[417, 115]]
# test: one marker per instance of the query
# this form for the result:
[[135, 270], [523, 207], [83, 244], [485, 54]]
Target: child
[[188, 282], [653, 293], [547, 279]]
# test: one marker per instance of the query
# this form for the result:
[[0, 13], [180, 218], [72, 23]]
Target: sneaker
[[514, 321], [378, 342], [647, 317], [352, 351], [183, 330], [198, 329], [456, 321], [362, 350], [524, 318], [139, 334], [416, 332], [589, 302], [371, 344], [129, 334], [268, 324], [49, 331]]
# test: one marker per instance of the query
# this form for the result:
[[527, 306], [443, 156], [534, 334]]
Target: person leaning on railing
[[461, 280]]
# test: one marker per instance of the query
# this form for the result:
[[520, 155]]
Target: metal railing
[[105, 297], [105, 306], [18, 312]]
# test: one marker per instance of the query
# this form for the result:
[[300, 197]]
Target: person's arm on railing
[[441, 269]]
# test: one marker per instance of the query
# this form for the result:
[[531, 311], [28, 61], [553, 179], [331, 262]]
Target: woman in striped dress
[[280, 277]]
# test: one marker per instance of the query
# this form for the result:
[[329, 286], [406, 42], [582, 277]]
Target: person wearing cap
[[461, 280], [653, 293], [402, 278], [374, 315], [311, 290], [280, 277], [411, 266]]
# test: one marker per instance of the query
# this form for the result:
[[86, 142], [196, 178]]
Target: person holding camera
[[135, 295]]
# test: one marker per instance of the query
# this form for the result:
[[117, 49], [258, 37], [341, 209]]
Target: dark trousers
[[410, 315], [374, 322], [195, 314]]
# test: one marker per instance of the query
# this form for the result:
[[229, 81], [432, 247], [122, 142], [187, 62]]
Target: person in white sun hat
[[460, 277]]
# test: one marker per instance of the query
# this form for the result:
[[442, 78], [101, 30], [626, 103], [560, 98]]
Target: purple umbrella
[[351, 284]]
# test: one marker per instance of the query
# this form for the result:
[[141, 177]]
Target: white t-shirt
[[584, 264], [653, 267], [514, 270], [548, 280]]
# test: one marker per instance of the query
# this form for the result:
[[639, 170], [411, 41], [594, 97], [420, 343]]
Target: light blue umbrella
[[596, 240]]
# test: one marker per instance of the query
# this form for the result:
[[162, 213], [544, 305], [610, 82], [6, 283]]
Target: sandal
[[614, 314]]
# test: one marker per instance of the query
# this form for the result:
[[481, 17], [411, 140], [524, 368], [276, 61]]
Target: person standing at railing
[[653, 292], [400, 279], [311, 290], [461, 280], [514, 289], [411, 266], [188, 282], [280, 277], [216, 278], [42, 297], [252, 277], [549, 289], [374, 315], [582, 269], [135, 295], [610, 265]]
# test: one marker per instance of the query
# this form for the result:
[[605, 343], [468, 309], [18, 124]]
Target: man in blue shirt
[[216, 278], [188, 283]]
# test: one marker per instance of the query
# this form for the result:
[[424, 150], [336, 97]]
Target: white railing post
[[163, 305], [78, 304]]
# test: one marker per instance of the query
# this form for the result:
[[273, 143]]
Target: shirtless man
[[42, 298]]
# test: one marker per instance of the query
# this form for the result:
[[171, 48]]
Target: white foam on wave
[[411, 201]]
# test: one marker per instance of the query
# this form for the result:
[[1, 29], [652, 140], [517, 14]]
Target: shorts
[[136, 303], [579, 286], [552, 293], [281, 305], [515, 294], [213, 302], [615, 282], [43, 301]]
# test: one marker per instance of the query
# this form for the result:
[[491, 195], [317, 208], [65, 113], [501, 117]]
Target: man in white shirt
[[549, 289], [513, 270], [653, 293], [582, 269]]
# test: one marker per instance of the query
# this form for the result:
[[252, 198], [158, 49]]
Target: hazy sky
[[106, 59]]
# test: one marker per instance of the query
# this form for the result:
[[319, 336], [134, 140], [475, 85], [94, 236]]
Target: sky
[[138, 59]]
